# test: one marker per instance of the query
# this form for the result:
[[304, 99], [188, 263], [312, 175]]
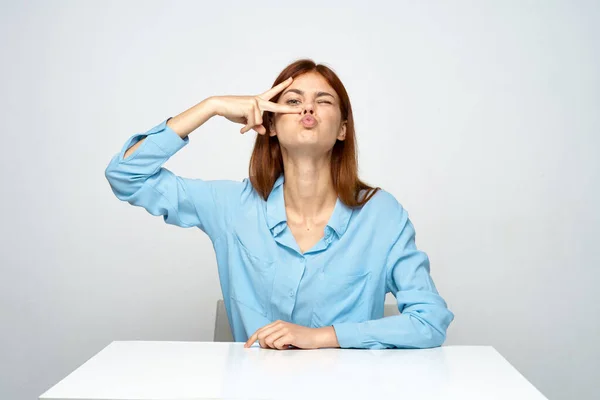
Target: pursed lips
[[308, 120]]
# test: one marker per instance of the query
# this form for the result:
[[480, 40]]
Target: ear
[[342, 133], [272, 128]]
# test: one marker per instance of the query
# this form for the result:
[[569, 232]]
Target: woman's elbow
[[434, 339], [433, 328]]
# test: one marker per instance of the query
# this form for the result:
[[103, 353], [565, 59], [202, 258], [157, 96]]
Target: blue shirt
[[342, 281]]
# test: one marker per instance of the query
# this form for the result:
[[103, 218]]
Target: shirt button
[[291, 293]]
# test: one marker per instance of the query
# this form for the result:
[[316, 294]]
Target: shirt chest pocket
[[342, 298]]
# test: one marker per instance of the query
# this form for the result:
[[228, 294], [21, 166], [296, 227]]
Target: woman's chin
[[303, 140]]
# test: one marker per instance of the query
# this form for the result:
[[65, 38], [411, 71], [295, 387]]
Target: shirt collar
[[276, 210], [340, 217]]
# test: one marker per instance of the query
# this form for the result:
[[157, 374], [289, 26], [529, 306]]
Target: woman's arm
[[424, 317], [136, 175]]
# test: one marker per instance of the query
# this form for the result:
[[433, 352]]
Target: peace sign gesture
[[248, 110]]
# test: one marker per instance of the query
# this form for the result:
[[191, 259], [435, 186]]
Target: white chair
[[223, 330]]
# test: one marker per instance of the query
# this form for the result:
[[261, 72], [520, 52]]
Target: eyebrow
[[300, 92]]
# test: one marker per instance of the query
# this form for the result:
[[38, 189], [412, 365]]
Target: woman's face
[[315, 98]]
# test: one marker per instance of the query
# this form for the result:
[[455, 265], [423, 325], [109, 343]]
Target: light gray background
[[482, 118]]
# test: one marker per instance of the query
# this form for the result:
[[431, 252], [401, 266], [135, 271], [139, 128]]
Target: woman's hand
[[248, 110], [281, 335]]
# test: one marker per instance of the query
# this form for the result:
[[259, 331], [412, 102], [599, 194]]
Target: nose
[[308, 108]]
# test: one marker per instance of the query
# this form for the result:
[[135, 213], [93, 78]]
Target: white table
[[144, 370]]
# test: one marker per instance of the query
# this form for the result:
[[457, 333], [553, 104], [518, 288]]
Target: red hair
[[266, 162]]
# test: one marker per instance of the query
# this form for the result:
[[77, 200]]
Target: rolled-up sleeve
[[424, 317], [141, 180]]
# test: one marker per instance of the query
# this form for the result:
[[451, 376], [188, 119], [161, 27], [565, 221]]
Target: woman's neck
[[308, 190]]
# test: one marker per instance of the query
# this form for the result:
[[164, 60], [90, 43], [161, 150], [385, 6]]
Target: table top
[[152, 370]]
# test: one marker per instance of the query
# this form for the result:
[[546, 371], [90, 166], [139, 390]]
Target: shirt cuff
[[348, 334], [161, 135]]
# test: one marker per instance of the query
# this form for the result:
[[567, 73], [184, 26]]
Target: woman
[[306, 252]]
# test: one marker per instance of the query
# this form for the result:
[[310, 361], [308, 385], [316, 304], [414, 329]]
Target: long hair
[[266, 162]]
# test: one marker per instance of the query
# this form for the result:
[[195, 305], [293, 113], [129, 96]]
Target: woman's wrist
[[213, 105], [327, 337]]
